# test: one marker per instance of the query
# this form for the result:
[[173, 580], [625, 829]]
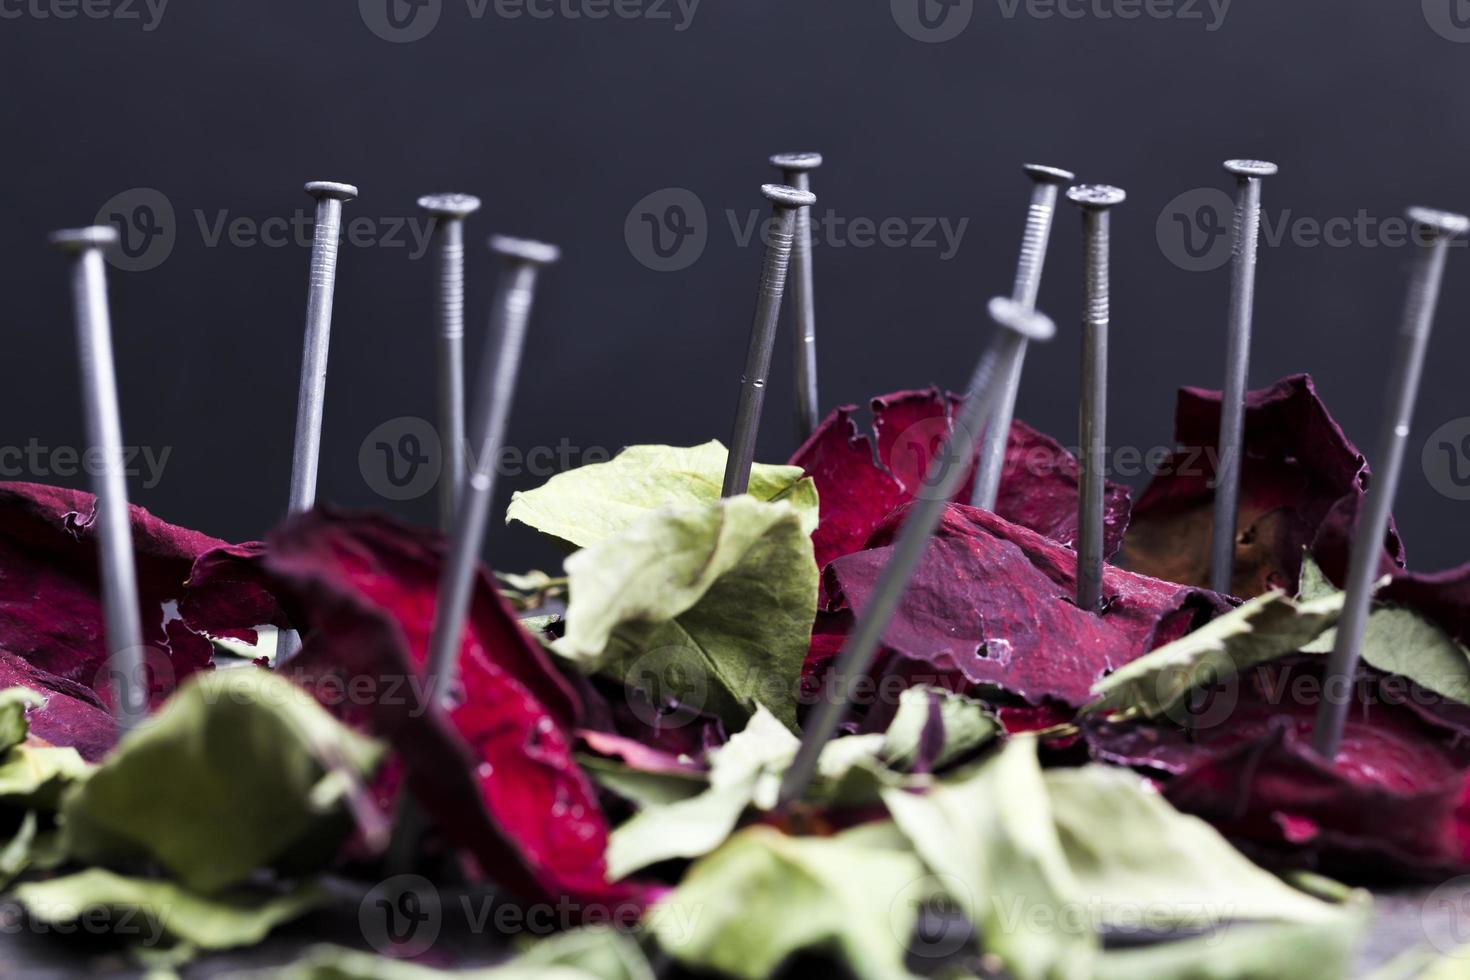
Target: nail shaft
[[786, 202], [124, 627], [796, 171], [312, 391], [1034, 242], [945, 475], [449, 212], [1092, 417], [1231, 443], [1433, 232], [510, 317]]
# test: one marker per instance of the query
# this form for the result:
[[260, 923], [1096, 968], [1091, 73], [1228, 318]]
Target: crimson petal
[[992, 602], [1302, 482], [496, 770], [861, 479], [50, 605]]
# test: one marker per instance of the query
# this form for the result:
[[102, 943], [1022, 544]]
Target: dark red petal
[[1302, 481], [993, 602], [1388, 804], [1441, 596], [861, 479], [496, 771], [50, 605], [72, 715]]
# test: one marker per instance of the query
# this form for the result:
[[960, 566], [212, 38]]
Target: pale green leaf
[[34, 776], [593, 503], [745, 909], [149, 912], [14, 703], [744, 770], [1266, 628], [966, 726], [991, 840], [1140, 860], [235, 770], [710, 604]]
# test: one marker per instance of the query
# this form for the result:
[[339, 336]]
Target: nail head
[[450, 205], [1096, 197], [332, 189], [796, 161], [524, 249], [81, 239], [788, 197], [1444, 222], [1251, 168], [1030, 324], [1043, 174]]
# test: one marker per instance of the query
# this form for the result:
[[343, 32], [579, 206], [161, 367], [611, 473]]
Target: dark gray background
[[563, 125]]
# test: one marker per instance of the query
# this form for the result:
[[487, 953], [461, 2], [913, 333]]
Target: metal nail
[[796, 170], [1434, 230], [449, 212], [945, 476], [124, 627], [312, 392], [509, 319], [1047, 183], [1245, 241], [1092, 416], [785, 201]]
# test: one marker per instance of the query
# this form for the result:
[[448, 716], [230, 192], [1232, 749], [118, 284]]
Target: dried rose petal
[[1389, 804], [50, 598], [1302, 481], [861, 479], [496, 770], [992, 602], [73, 715]]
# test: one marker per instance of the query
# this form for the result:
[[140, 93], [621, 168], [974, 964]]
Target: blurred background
[[193, 126]]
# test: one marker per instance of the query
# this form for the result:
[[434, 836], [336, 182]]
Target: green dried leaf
[[34, 776], [233, 771], [966, 727], [593, 503], [991, 840], [1266, 628], [710, 604], [746, 908], [148, 912], [14, 702]]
